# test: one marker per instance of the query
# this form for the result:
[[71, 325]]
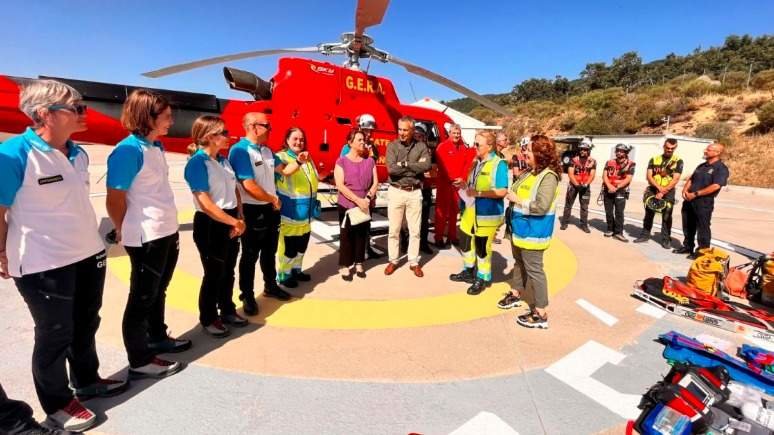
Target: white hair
[[40, 94]]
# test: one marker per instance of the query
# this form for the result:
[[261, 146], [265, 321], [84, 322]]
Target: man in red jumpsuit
[[454, 159]]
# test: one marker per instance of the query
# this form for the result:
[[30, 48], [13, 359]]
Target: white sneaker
[[158, 368], [73, 417]]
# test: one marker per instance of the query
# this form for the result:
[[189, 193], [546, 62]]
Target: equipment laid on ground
[[709, 269], [686, 301], [760, 282]]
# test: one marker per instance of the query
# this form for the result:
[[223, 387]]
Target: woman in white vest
[[297, 190], [49, 244], [217, 225], [141, 205], [533, 202]]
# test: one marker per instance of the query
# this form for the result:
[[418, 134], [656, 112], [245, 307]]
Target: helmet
[[623, 147], [524, 141], [585, 145], [418, 126], [366, 120]]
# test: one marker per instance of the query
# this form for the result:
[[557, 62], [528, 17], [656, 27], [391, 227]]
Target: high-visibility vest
[[530, 231], [487, 212], [297, 192], [664, 171]]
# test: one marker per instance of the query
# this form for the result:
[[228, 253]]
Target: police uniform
[[56, 258], [217, 250], [481, 219], [298, 194], [582, 169], [149, 234], [663, 171], [697, 213], [615, 202], [256, 162]]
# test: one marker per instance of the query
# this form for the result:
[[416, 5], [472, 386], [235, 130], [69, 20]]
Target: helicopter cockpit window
[[343, 121], [433, 134]]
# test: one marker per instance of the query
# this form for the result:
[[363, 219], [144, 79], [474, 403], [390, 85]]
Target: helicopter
[[322, 98]]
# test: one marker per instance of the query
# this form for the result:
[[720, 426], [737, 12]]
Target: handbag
[[356, 216]]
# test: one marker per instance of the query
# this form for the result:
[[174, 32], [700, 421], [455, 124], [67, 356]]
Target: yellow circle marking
[[183, 291]]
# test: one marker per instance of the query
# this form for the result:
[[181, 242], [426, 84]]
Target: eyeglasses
[[78, 109], [223, 133]]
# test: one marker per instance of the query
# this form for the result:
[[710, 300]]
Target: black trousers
[[666, 214], [427, 203], [259, 240], [15, 415], [152, 266], [615, 203], [218, 253], [64, 304], [352, 240], [696, 219], [569, 200]]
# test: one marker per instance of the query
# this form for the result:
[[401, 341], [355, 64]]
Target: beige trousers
[[400, 204]]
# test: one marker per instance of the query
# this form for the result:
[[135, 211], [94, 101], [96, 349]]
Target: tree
[[534, 89], [561, 86], [627, 70], [595, 75]]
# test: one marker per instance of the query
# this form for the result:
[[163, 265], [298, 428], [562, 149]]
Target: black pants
[[15, 415], [352, 240], [666, 214], [696, 218], [259, 240], [427, 203], [218, 253], [614, 211], [64, 304], [569, 200], [152, 266]]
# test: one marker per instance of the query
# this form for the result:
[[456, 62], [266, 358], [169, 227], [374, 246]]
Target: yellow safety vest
[[663, 173], [487, 213], [297, 192], [530, 231]]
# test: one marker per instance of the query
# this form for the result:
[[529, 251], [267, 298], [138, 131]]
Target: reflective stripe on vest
[[488, 212], [528, 231], [297, 192]]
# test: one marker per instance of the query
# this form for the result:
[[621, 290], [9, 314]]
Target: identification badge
[[259, 163], [49, 180]]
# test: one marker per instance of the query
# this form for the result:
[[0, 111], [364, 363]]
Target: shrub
[[735, 80], [719, 131], [764, 80], [603, 99], [697, 88], [567, 122], [766, 117], [753, 105]]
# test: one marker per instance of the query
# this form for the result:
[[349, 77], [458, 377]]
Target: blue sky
[[487, 46]]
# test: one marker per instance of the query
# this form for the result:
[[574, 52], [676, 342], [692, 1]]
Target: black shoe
[[468, 275], [360, 273], [249, 306], [169, 345], [585, 229], [455, 242], [279, 294], [478, 286], [692, 256], [508, 301], [608, 234], [621, 238], [666, 242], [642, 239], [682, 250], [372, 254], [347, 277], [301, 276], [289, 282], [563, 226], [234, 319], [426, 249]]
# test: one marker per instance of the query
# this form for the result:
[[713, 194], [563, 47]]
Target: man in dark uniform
[[581, 173], [699, 195], [663, 175]]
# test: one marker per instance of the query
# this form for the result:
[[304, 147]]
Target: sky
[[486, 46]]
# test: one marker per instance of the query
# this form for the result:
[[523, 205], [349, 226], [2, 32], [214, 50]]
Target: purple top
[[358, 177]]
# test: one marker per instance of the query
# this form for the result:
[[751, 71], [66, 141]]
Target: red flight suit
[[454, 161]]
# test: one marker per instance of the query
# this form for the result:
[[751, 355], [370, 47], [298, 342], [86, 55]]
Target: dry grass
[[751, 160]]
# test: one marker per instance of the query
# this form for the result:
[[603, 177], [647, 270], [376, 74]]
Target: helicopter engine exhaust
[[248, 82]]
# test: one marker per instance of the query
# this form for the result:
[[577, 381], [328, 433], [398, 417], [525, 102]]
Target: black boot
[[478, 286], [468, 275]]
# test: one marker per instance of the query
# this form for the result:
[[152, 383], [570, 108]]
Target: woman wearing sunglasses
[[49, 244], [482, 213], [217, 225], [297, 190]]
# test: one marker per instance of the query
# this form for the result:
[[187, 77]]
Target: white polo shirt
[[254, 161], [214, 176], [51, 222], [139, 167]]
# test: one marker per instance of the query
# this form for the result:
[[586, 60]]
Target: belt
[[406, 188]]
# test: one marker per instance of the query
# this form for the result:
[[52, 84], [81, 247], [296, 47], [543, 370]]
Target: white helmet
[[366, 120], [524, 141]]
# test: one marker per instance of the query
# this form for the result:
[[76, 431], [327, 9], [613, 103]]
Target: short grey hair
[[455, 126], [39, 94]]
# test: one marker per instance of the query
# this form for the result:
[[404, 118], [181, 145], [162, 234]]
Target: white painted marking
[[603, 316], [576, 369], [650, 310], [485, 423]]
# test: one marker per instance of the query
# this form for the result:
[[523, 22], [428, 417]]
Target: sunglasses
[[78, 109], [265, 125], [223, 133]]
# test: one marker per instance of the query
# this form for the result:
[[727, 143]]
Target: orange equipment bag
[[708, 270]]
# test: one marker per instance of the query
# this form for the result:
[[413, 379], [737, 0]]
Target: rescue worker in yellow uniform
[[664, 171], [297, 189], [483, 210]]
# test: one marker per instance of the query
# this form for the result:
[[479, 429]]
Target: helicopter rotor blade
[[422, 72], [174, 69], [369, 13]]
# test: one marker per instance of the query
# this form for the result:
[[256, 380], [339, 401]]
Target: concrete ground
[[399, 354]]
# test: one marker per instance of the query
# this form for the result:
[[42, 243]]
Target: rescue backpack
[[760, 281], [708, 270]]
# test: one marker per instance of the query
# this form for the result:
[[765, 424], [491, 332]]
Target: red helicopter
[[322, 98]]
